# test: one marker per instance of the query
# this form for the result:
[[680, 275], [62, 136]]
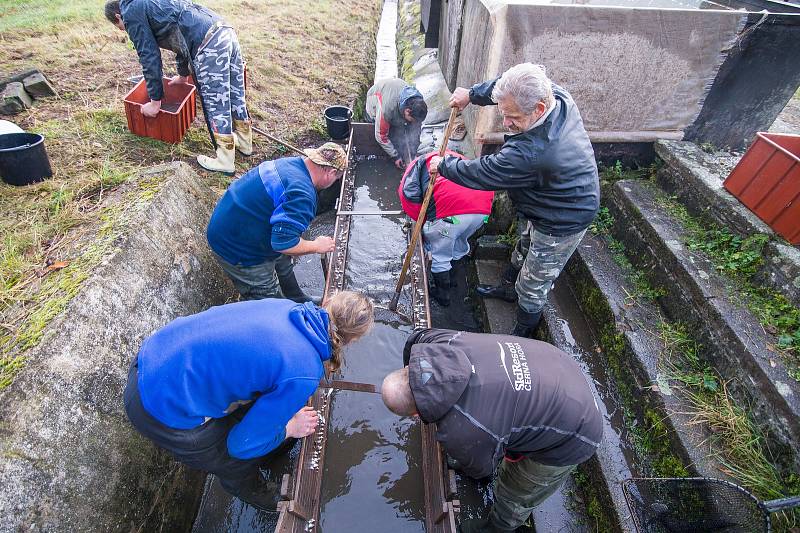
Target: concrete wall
[[636, 74], [70, 460]]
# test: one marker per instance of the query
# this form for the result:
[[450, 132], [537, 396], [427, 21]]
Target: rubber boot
[[291, 289], [264, 496], [505, 290], [243, 135], [440, 290], [526, 323], [225, 154], [481, 525]]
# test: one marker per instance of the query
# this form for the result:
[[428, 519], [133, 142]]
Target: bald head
[[396, 393]]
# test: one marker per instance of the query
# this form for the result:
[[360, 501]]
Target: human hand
[[324, 244], [302, 424], [460, 98], [434, 167], [178, 80], [399, 163], [151, 108]]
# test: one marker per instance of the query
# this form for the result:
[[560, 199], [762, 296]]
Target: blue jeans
[[448, 242], [258, 281]]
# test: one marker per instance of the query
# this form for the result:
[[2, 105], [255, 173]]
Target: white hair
[[527, 84]]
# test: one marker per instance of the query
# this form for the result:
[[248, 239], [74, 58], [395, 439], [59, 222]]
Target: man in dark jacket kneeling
[[501, 399], [547, 166]]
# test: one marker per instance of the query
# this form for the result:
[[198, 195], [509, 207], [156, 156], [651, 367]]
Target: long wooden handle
[[275, 139], [422, 212]]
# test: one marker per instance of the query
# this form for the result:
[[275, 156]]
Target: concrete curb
[[696, 178], [70, 461], [734, 341]]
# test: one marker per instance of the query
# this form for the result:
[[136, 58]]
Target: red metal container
[[177, 112], [767, 181]]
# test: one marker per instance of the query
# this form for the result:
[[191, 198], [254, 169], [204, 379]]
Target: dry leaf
[[57, 266]]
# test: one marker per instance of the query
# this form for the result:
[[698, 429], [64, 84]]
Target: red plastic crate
[[177, 112], [767, 181]]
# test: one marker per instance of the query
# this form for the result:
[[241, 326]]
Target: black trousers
[[204, 447]]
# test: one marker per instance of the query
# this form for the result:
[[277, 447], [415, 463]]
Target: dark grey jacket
[[492, 395], [176, 25], [549, 171]]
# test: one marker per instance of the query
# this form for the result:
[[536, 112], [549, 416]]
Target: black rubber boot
[[440, 290], [291, 289], [264, 496], [505, 291], [482, 525], [526, 323]]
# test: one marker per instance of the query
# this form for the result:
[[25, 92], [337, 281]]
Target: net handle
[[781, 504]]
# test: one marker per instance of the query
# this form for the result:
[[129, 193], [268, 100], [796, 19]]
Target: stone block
[[14, 99], [38, 86]]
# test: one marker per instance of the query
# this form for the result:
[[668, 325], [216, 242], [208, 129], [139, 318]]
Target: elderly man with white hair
[[547, 166]]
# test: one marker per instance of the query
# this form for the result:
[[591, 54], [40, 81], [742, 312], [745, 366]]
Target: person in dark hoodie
[[204, 46], [398, 110], [499, 399], [224, 390], [547, 166], [454, 214]]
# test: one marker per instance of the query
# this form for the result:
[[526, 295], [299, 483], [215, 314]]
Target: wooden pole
[[275, 139], [422, 213]]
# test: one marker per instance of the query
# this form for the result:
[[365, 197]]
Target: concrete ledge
[[69, 459], [734, 342], [696, 178], [603, 292]]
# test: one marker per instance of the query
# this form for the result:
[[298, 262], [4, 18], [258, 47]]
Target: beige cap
[[328, 155]]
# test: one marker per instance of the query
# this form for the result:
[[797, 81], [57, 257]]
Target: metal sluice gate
[[302, 490]]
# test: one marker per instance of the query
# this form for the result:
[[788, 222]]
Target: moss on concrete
[[644, 422], [594, 500]]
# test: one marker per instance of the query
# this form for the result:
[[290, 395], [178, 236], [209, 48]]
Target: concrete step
[[734, 341], [626, 326], [696, 177], [593, 499]]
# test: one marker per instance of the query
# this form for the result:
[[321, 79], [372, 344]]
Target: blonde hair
[[351, 317]]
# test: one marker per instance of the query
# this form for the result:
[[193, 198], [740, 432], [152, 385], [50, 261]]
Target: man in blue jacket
[[225, 389], [258, 224], [547, 166], [205, 46]]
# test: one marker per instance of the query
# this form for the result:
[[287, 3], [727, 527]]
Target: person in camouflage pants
[[220, 76], [548, 168], [204, 46]]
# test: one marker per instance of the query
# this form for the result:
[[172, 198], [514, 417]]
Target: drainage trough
[[364, 467]]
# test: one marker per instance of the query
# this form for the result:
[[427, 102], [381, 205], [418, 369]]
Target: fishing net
[[678, 505]]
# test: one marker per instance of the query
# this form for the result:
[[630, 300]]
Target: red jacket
[[448, 198]]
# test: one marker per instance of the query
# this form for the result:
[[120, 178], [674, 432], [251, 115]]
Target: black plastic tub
[[337, 120], [23, 159]]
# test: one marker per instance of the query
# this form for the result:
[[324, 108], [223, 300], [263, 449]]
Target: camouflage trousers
[[521, 486], [219, 72], [540, 258]]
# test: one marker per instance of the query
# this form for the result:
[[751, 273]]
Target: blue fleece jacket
[[263, 213], [205, 365]]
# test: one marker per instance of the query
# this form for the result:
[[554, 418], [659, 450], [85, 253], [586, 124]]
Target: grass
[[618, 171], [640, 286], [740, 260], [300, 60], [739, 443]]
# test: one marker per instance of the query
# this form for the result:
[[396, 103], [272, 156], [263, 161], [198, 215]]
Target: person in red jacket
[[453, 215]]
